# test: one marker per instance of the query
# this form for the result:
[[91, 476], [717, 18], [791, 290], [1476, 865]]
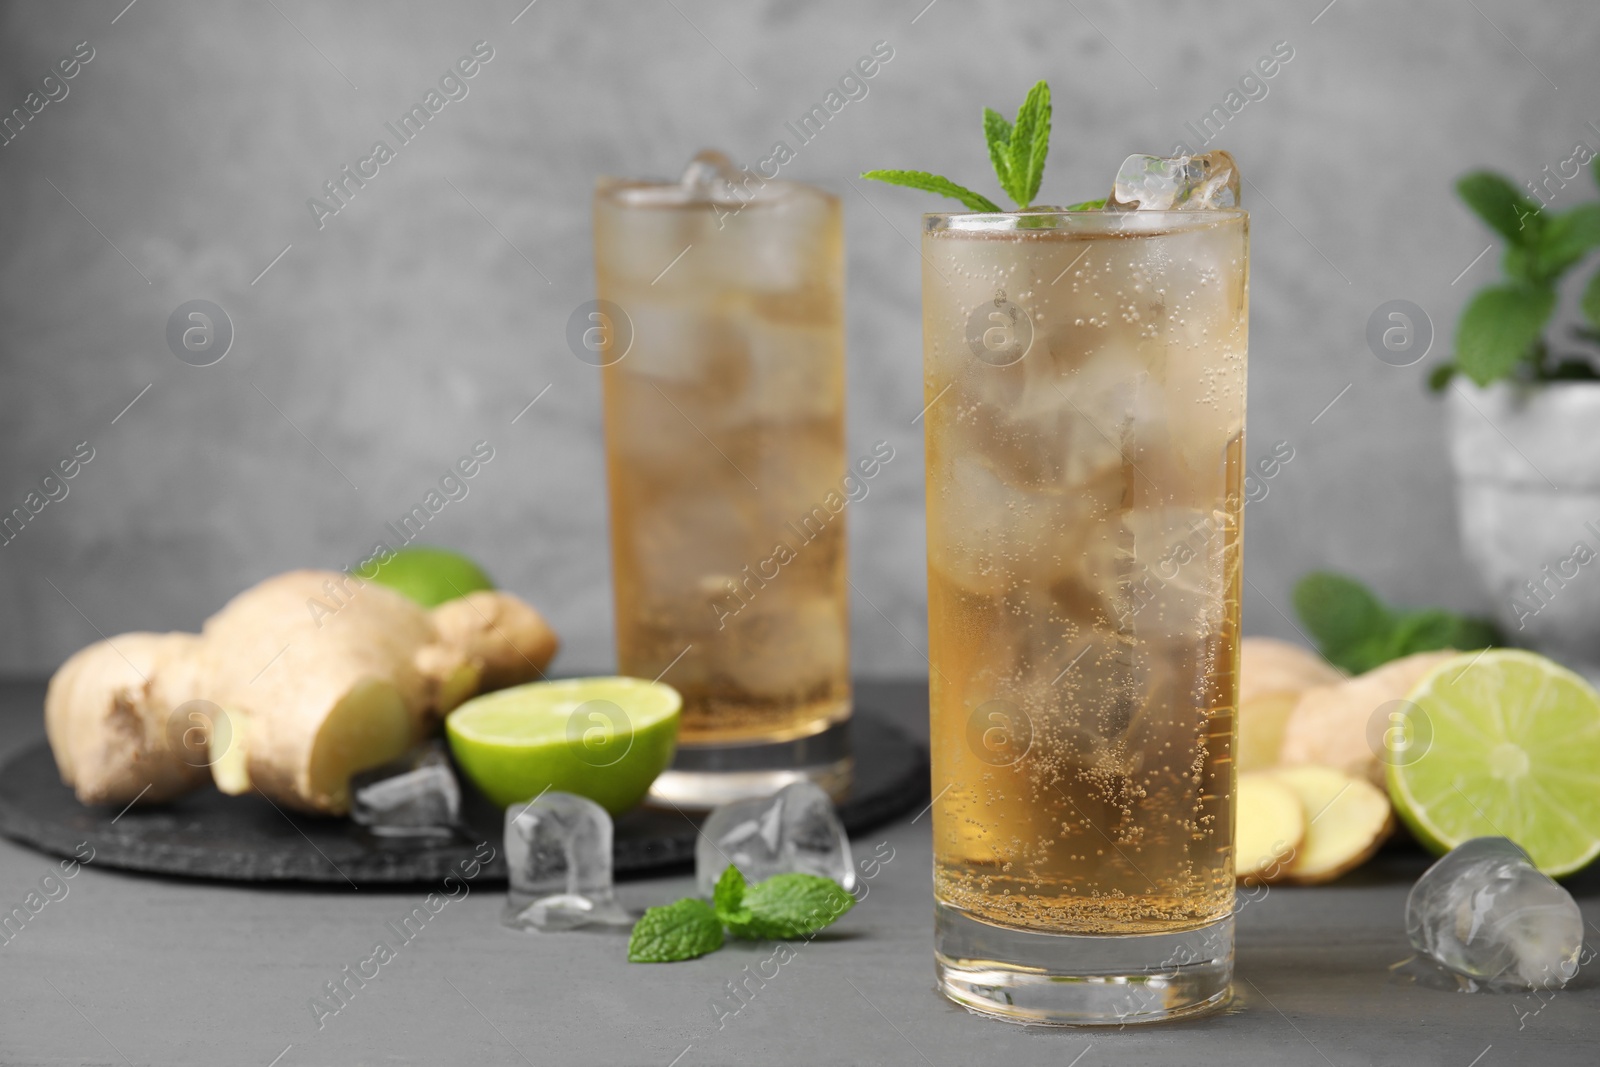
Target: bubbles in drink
[[1083, 514]]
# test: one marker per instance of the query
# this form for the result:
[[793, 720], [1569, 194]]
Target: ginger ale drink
[[1085, 375], [721, 315]]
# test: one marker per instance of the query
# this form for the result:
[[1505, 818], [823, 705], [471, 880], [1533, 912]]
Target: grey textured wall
[[428, 313]]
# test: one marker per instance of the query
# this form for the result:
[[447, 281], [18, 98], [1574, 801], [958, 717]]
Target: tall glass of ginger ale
[[1085, 379], [720, 329]]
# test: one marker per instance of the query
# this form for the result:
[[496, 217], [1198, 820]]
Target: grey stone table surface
[[118, 968]]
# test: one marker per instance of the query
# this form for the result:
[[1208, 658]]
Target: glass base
[[1081, 980], [704, 776]]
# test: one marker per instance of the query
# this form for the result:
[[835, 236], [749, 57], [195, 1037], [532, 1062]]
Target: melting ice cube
[[558, 850], [795, 829], [416, 796], [1181, 183], [710, 173], [1486, 912]]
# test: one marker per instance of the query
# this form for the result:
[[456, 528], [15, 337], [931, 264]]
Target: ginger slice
[[1272, 675], [1347, 818], [1262, 722], [1269, 828]]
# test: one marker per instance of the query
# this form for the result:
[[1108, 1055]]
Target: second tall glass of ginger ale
[[722, 314]]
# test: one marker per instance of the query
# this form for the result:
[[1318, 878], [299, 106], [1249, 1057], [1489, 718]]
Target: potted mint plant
[[1524, 407]]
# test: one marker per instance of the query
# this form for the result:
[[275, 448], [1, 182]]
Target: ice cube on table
[[1486, 912], [794, 830], [558, 852], [415, 796], [1179, 183]]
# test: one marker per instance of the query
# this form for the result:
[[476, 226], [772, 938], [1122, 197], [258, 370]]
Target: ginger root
[[310, 676], [1267, 665], [1333, 726], [110, 717], [511, 640]]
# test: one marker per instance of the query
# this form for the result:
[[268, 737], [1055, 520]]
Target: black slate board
[[248, 839]]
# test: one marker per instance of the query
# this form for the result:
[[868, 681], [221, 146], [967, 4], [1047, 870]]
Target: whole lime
[[430, 576]]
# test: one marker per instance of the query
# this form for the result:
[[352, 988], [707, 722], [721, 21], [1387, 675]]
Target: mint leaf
[[1030, 142], [1571, 370], [678, 931], [1431, 629], [1472, 634], [1499, 328], [728, 897], [1591, 300], [788, 906], [1499, 203], [933, 183], [1567, 238], [1343, 616], [1356, 632], [1088, 205], [1521, 264], [1425, 631], [997, 131], [1440, 376], [1367, 655]]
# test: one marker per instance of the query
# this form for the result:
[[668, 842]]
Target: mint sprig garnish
[[1027, 144], [997, 131], [1017, 151], [675, 932], [1356, 631], [784, 907], [921, 179]]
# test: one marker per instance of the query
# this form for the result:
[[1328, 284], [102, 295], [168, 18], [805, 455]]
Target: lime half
[[1515, 753], [430, 576], [602, 738]]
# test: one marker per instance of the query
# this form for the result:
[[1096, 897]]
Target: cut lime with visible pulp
[[1515, 752], [430, 576], [602, 738]]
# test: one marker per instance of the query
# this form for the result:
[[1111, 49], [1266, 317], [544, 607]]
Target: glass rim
[[669, 193], [1142, 222]]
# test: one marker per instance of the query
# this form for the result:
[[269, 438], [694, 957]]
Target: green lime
[[1515, 752], [602, 738], [430, 576]]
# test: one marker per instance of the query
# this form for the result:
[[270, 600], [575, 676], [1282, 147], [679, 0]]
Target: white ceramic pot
[[1527, 463]]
